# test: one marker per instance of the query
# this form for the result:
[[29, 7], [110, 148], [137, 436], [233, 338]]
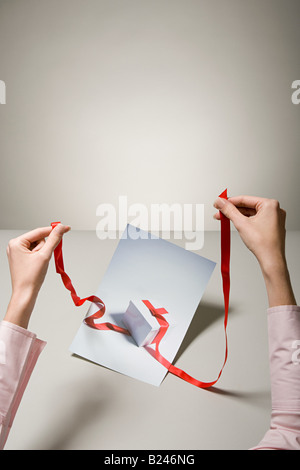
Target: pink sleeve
[[284, 351], [19, 351]]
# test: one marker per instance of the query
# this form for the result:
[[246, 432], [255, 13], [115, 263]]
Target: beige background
[[161, 101]]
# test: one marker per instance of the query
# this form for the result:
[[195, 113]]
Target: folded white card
[[142, 325], [144, 267]]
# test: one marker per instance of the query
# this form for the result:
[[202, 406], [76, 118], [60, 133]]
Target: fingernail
[[62, 228], [219, 203]]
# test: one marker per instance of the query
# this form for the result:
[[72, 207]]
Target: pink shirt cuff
[[19, 352]]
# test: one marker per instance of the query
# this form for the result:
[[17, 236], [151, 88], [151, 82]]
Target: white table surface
[[71, 403]]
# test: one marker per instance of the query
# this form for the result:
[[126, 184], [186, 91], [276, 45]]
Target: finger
[[217, 216], [246, 201], [36, 234], [283, 216], [246, 211], [38, 245], [229, 210], [54, 239]]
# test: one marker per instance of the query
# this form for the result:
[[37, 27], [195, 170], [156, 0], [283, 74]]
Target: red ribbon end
[[224, 194]]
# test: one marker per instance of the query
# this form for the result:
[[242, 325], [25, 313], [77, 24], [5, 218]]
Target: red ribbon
[[90, 321], [158, 313]]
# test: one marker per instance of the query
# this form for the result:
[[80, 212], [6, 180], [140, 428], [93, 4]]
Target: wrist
[[20, 308], [273, 267], [278, 283]]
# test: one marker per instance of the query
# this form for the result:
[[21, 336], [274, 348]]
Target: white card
[[144, 267]]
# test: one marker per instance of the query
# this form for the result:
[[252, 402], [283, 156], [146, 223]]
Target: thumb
[[229, 210], [54, 239]]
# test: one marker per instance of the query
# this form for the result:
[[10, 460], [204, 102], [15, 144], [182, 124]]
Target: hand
[[29, 257], [261, 225]]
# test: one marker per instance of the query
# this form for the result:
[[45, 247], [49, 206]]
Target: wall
[[161, 101]]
